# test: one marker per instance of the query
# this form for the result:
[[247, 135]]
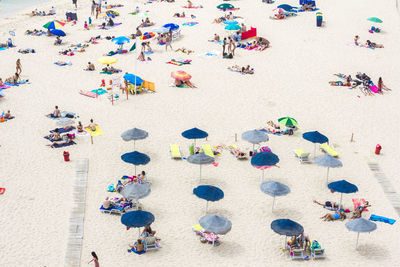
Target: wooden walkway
[[75, 231], [387, 186]]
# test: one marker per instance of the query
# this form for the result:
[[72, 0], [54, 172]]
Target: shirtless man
[[168, 41], [56, 112], [216, 38], [18, 66], [90, 66]]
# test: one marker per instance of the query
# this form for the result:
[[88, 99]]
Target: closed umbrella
[[264, 159], [134, 134], [215, 224], [329, 162], [225, 6], [360, 225], [209, 193], [254, 137], [342, 187], [107, 60], [137, 219], [58, 32], [287, 228], [274, 189], [200, 159], [181, 75], [315, 137], [135, 158], [135, 192], [232, 27], [194, 133]]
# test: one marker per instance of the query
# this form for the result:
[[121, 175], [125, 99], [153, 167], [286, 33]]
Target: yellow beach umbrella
[[107, 60]]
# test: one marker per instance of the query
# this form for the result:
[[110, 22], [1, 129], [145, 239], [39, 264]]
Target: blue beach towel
[[381, 219], [67, 144], [99, 91], [18, 83], [264, 131], [66, 64]]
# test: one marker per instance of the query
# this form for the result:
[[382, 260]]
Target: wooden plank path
[[75, 230], [387, 186]]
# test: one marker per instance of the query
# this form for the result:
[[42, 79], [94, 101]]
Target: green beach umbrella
[[375, 19], [225, 6], [287, 121]]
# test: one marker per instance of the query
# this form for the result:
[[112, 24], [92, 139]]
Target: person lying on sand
[[13, 79], [340, 83], [263, 43], [308, 7], [219, 20], [357, 213], [90, 66], [184, 50], [333, 217], [243, 70], [141, 57], [373, 45], [177, 15], [179, 83], [328, 204]]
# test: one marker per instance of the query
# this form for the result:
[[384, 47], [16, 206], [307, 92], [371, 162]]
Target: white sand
[[291, 79]]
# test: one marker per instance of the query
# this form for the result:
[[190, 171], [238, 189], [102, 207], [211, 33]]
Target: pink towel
[[359, 202], [374, 89]]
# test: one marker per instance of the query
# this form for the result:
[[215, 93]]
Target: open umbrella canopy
[[160, 30], [254, 136], [135, 158], [274, 189], [315, 137], [181, 75], [343, 187], [215, 224], [286, 7], [55, 24], [230, 22], [133, 79], [200, 159], [208, 192], [278, 10], [137, 218], [287, 121], [134, 134], [375, 19], [135, 191], [232, 27], [361, 225], [147, 36], [120, 40], [107, 60], [287, 227], [194, 133], [264, 159], [58, 32], [225, 6], [171, 26], [328, 161]]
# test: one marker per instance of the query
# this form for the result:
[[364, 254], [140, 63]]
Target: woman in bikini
[[333, 217]]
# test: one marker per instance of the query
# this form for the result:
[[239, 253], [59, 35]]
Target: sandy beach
[[291, 79]]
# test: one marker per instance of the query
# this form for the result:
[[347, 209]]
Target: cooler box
[[319, 19]]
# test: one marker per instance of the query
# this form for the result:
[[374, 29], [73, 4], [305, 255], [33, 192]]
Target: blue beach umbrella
[[342, 187], [274, 189], [137, 219], [194, 133], [121, 40], [232, 27], [264, 159], [58, 32], [315, 137], [230, 22], [171, 26], [209, 193], [285, 7], [135, 158], [287, 227], [360, 225], [329, 162], [133, 79]]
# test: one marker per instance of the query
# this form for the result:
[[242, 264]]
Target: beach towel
[[209, 54], [148, 53], [62, 130], [87, 93], [182, 86], [18, 83], [190, 24], [109, 27], [359, 202], [2, 190], [64, 145], [374, 89], [4, 86], [98, 132], [381, 219], [106, 72], [99, 91], [179, 62], [2, 48], [83, 133], [149, 86], [264, 131], [64, 64]]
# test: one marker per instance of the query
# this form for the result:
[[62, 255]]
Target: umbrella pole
[[262, 175], [253, 149], [341, 196], [206, 207], [358, 234], [273, 203], [315, 147], [139, 233], [327, 174], [200, 172], [135, 170], [134, 144]]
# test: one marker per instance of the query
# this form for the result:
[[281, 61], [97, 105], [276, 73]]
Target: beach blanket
[[359, 202], [83, 133], [190, 24], [99, 91], [2, 48], [64, 145], [87, 93], [377, 218], [209, 54], [109, 27], [374, 89], [106, 72], [179, 62], [148, 53], [94, 133], [265, 131], [18, 83], [360, 45], [4, 86], [62, 130], [63, 64], [182, 86], [9, 118]]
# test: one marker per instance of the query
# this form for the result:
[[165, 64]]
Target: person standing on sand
[[223, 47], [95, 259], [18, 66], [74, 2], [168, 42]]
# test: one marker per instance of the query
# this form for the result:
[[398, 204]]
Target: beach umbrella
[[329, 162], [278, 10], [255, 137], [315, 137], [225, 6], [134, 134], [285, 7], [215, 224], [264, 160], [181, 75], [287, 227], [160, 30], [375, 19], [287, 121], [55, 24], [135, 192], [194, 133], [171, 26], [232, 27], [137, 219], [342, 187], [120, 40], [65, 121], [107, 60], [133, 79], [230, 22], [147, 36], [135, 158], [57, 32], [274, 189], [360, 225], [200, 159], [209, 193]]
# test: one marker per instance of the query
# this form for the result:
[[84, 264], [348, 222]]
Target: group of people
[[14, 79], [339, 212], [35, 12], [242, 70], [368, 43]]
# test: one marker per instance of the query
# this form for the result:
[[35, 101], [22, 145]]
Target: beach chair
[[151, 243], [316, 251], [208, 151], [303, 157], [117, 208], [296, 254], [175, 151], [191, 149], [205, 237], [327, 149], [233, 148]]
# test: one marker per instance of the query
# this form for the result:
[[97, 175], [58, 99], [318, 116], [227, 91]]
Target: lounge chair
[[191, 149], [303, 157], [316, 251], [208, 151], [119, 208], [175, 151], [327, 149], [297, 254], [233, 148], [205, 237], [151, 243]]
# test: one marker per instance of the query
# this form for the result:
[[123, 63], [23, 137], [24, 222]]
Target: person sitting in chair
[[147, 231], [138, 246]]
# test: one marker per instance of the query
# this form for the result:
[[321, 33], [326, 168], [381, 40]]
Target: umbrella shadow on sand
[[219, 211], [373, 251], [228, 249], [213, 181], [286, 212]]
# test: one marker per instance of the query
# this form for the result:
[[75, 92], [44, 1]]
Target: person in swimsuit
[[327, 204], [357, 213], [168, 41], [147, 231], [18, 66], [55, 136], [356, 38], [333, 217], [95, 259], [381, 85], [138, 246], [79, 127], [92, 126]]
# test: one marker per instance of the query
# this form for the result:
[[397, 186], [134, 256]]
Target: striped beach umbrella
[[181, 75], [287, 121], [55, 24], [147, 35]]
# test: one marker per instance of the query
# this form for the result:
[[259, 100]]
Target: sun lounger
[[234, 148], [151, 243], [208, 151], [303, 157], [205, 236], [175, 151], [117, 208], [316, 251], [297, 254], [327, 149]]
